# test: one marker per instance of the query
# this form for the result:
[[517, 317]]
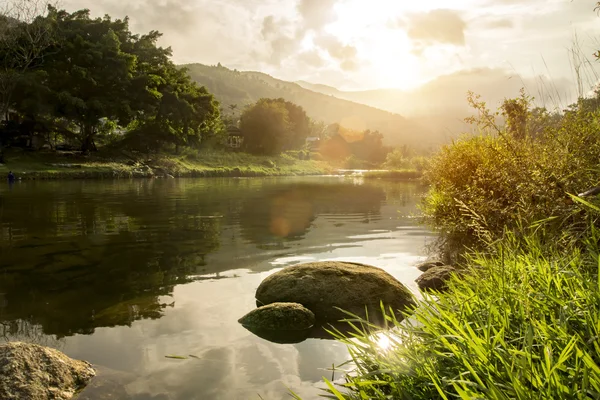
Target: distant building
[[235, 137]]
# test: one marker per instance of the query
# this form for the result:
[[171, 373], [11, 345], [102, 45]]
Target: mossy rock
[[436, 278], [331, 288], [279, 316]]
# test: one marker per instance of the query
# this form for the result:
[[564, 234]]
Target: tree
[[266, 127], [285, 126], [25, 36]]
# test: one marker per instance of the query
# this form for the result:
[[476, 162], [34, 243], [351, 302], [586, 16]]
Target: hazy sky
[[360, 44]]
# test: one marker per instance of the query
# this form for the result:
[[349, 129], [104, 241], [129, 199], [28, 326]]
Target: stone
[[326, 288], [436, 278], [34, 372], [425, 266], [279, 316]]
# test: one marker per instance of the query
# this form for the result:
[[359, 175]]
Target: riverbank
[[400, 175], [103, 165]]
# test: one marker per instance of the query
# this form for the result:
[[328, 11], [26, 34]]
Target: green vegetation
[[190, 163], [523, 319], [242, 88], [523, 325], [82, 78], [272, 125]]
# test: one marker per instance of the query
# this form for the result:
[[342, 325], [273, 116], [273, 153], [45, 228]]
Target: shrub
[[482, 184]]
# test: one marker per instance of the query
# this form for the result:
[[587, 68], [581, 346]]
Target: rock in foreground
[[436, 278], [323, 286], [33, 372]]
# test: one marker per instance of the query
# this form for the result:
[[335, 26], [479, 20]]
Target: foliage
[[481, 184], [354, 149], [523, 325], [273, 125], [93, 71]]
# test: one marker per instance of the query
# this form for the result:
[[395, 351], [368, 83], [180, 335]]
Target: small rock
[[429, 264], [435, 279], [33, 372], [279, 316]]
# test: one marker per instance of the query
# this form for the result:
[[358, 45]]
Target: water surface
[[125, 273]]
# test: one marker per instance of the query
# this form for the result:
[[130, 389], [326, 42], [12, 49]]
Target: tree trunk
[[87, 140]]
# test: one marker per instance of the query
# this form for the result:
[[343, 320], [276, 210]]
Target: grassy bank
[[524, 324], [105, 165], [524, 320]]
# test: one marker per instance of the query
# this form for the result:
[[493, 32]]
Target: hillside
[[242, 88], [441, 106]]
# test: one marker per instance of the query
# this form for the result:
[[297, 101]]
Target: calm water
[[125, 273]]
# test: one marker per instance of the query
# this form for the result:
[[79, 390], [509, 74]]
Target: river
[[126, 274]]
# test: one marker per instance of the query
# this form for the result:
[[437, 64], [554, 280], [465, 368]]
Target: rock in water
[[436, 278], [279, 316], [33, 372], [323, 286], [426, 266], [280, 322]]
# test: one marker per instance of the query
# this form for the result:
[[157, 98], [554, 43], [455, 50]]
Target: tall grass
[[524, 324]]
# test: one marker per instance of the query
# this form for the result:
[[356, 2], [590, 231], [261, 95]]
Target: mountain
[[441, 104], [245, 87]]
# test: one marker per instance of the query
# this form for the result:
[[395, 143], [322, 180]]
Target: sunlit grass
[[523, 325], [190, 163]]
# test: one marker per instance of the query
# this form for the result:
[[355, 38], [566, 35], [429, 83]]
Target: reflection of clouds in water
[[231, 363]]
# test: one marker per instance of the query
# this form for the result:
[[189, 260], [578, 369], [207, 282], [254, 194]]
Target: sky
[[368, 44]]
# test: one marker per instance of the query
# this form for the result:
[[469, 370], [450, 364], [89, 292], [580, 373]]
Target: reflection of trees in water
[[26, 331], [286, 213], [81, 262], [80, 255]]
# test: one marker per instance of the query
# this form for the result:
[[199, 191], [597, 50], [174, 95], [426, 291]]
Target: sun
[[382, 47], [377, 29]]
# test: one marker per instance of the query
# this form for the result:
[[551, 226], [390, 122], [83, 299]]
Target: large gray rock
[[322, 287], [33, 372], [436, 278]]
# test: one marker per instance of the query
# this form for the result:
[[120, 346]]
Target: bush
[[482, 184]]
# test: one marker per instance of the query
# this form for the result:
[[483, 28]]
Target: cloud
[[439, 26], [280, 37], [500, 23], [316, 14], [311, 58]]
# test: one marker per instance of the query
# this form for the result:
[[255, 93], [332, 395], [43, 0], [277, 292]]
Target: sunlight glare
[[383, 342]]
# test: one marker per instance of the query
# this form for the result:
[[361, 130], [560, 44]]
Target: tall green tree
[[90, 74], [266, 127], [273, 125]]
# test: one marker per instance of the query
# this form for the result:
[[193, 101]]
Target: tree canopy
[[91, 70], [273, 125]]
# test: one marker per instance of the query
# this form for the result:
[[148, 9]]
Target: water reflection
[[124, 273]]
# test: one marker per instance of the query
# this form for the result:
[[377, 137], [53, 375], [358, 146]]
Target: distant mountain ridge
[[245, 87]]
